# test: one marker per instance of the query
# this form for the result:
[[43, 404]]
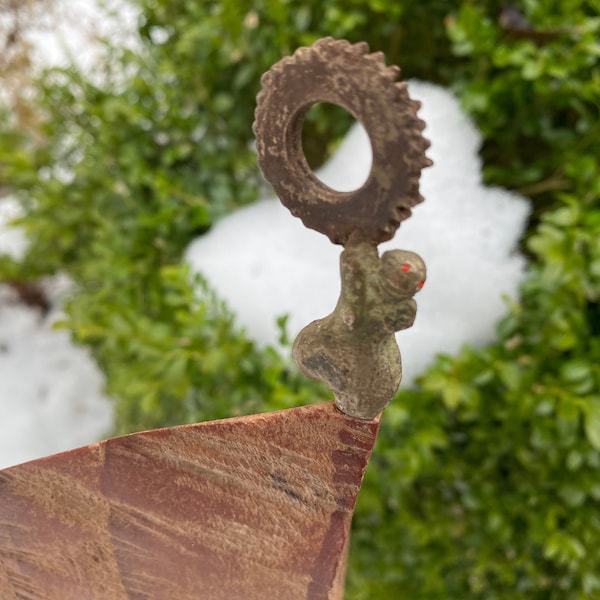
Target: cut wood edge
[[252, 507]]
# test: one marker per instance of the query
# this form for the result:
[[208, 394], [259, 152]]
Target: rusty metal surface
[[247, 508], [345, 74], [353, 350]]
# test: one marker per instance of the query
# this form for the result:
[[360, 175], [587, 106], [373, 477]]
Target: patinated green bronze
[[354, 349]]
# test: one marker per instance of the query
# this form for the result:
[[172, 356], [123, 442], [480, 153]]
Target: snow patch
[[12, 239], [51, 396]]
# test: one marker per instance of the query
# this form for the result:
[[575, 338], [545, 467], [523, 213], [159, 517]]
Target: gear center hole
[[341, 163]]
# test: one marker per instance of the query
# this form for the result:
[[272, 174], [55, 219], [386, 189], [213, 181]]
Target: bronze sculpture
[[353, 350]]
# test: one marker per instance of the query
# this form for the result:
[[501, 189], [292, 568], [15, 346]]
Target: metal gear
[[345, 74]]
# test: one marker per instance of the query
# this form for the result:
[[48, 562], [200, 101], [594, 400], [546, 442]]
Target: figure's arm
[[359, 268]]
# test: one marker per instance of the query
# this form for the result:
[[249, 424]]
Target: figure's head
[[403, 273]]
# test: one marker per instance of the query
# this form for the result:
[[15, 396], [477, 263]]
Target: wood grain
[[255, 507]]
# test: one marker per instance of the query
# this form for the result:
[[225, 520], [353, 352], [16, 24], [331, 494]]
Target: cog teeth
[[332, 46], [326, 41], [360, 48], [302, 54], [393, 72], [403, 117], [266, 78], [423, 145], [400, 93], [377, 57], [402, 213]]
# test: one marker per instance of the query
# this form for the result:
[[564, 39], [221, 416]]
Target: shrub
[[491, 462]]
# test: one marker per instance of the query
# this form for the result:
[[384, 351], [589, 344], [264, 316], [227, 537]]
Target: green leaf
[[591, 420]]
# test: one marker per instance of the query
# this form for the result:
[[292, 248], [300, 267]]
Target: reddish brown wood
[[251, 508]]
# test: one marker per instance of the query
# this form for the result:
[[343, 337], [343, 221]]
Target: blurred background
[[128, 189]]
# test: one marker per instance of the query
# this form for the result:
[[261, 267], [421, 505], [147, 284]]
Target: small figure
[[354, 349]]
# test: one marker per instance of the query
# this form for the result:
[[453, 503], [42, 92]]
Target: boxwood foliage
[[491, 463], [484, 482]]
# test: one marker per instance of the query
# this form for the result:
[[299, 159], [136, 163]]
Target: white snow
[[265, 263], [51, 392], [12, 239], [51, 395], [72, 32]]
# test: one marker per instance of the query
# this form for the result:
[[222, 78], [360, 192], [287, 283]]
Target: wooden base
[[249, 508]]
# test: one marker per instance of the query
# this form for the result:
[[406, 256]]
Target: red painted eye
[[405, 267], [421, 284]]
